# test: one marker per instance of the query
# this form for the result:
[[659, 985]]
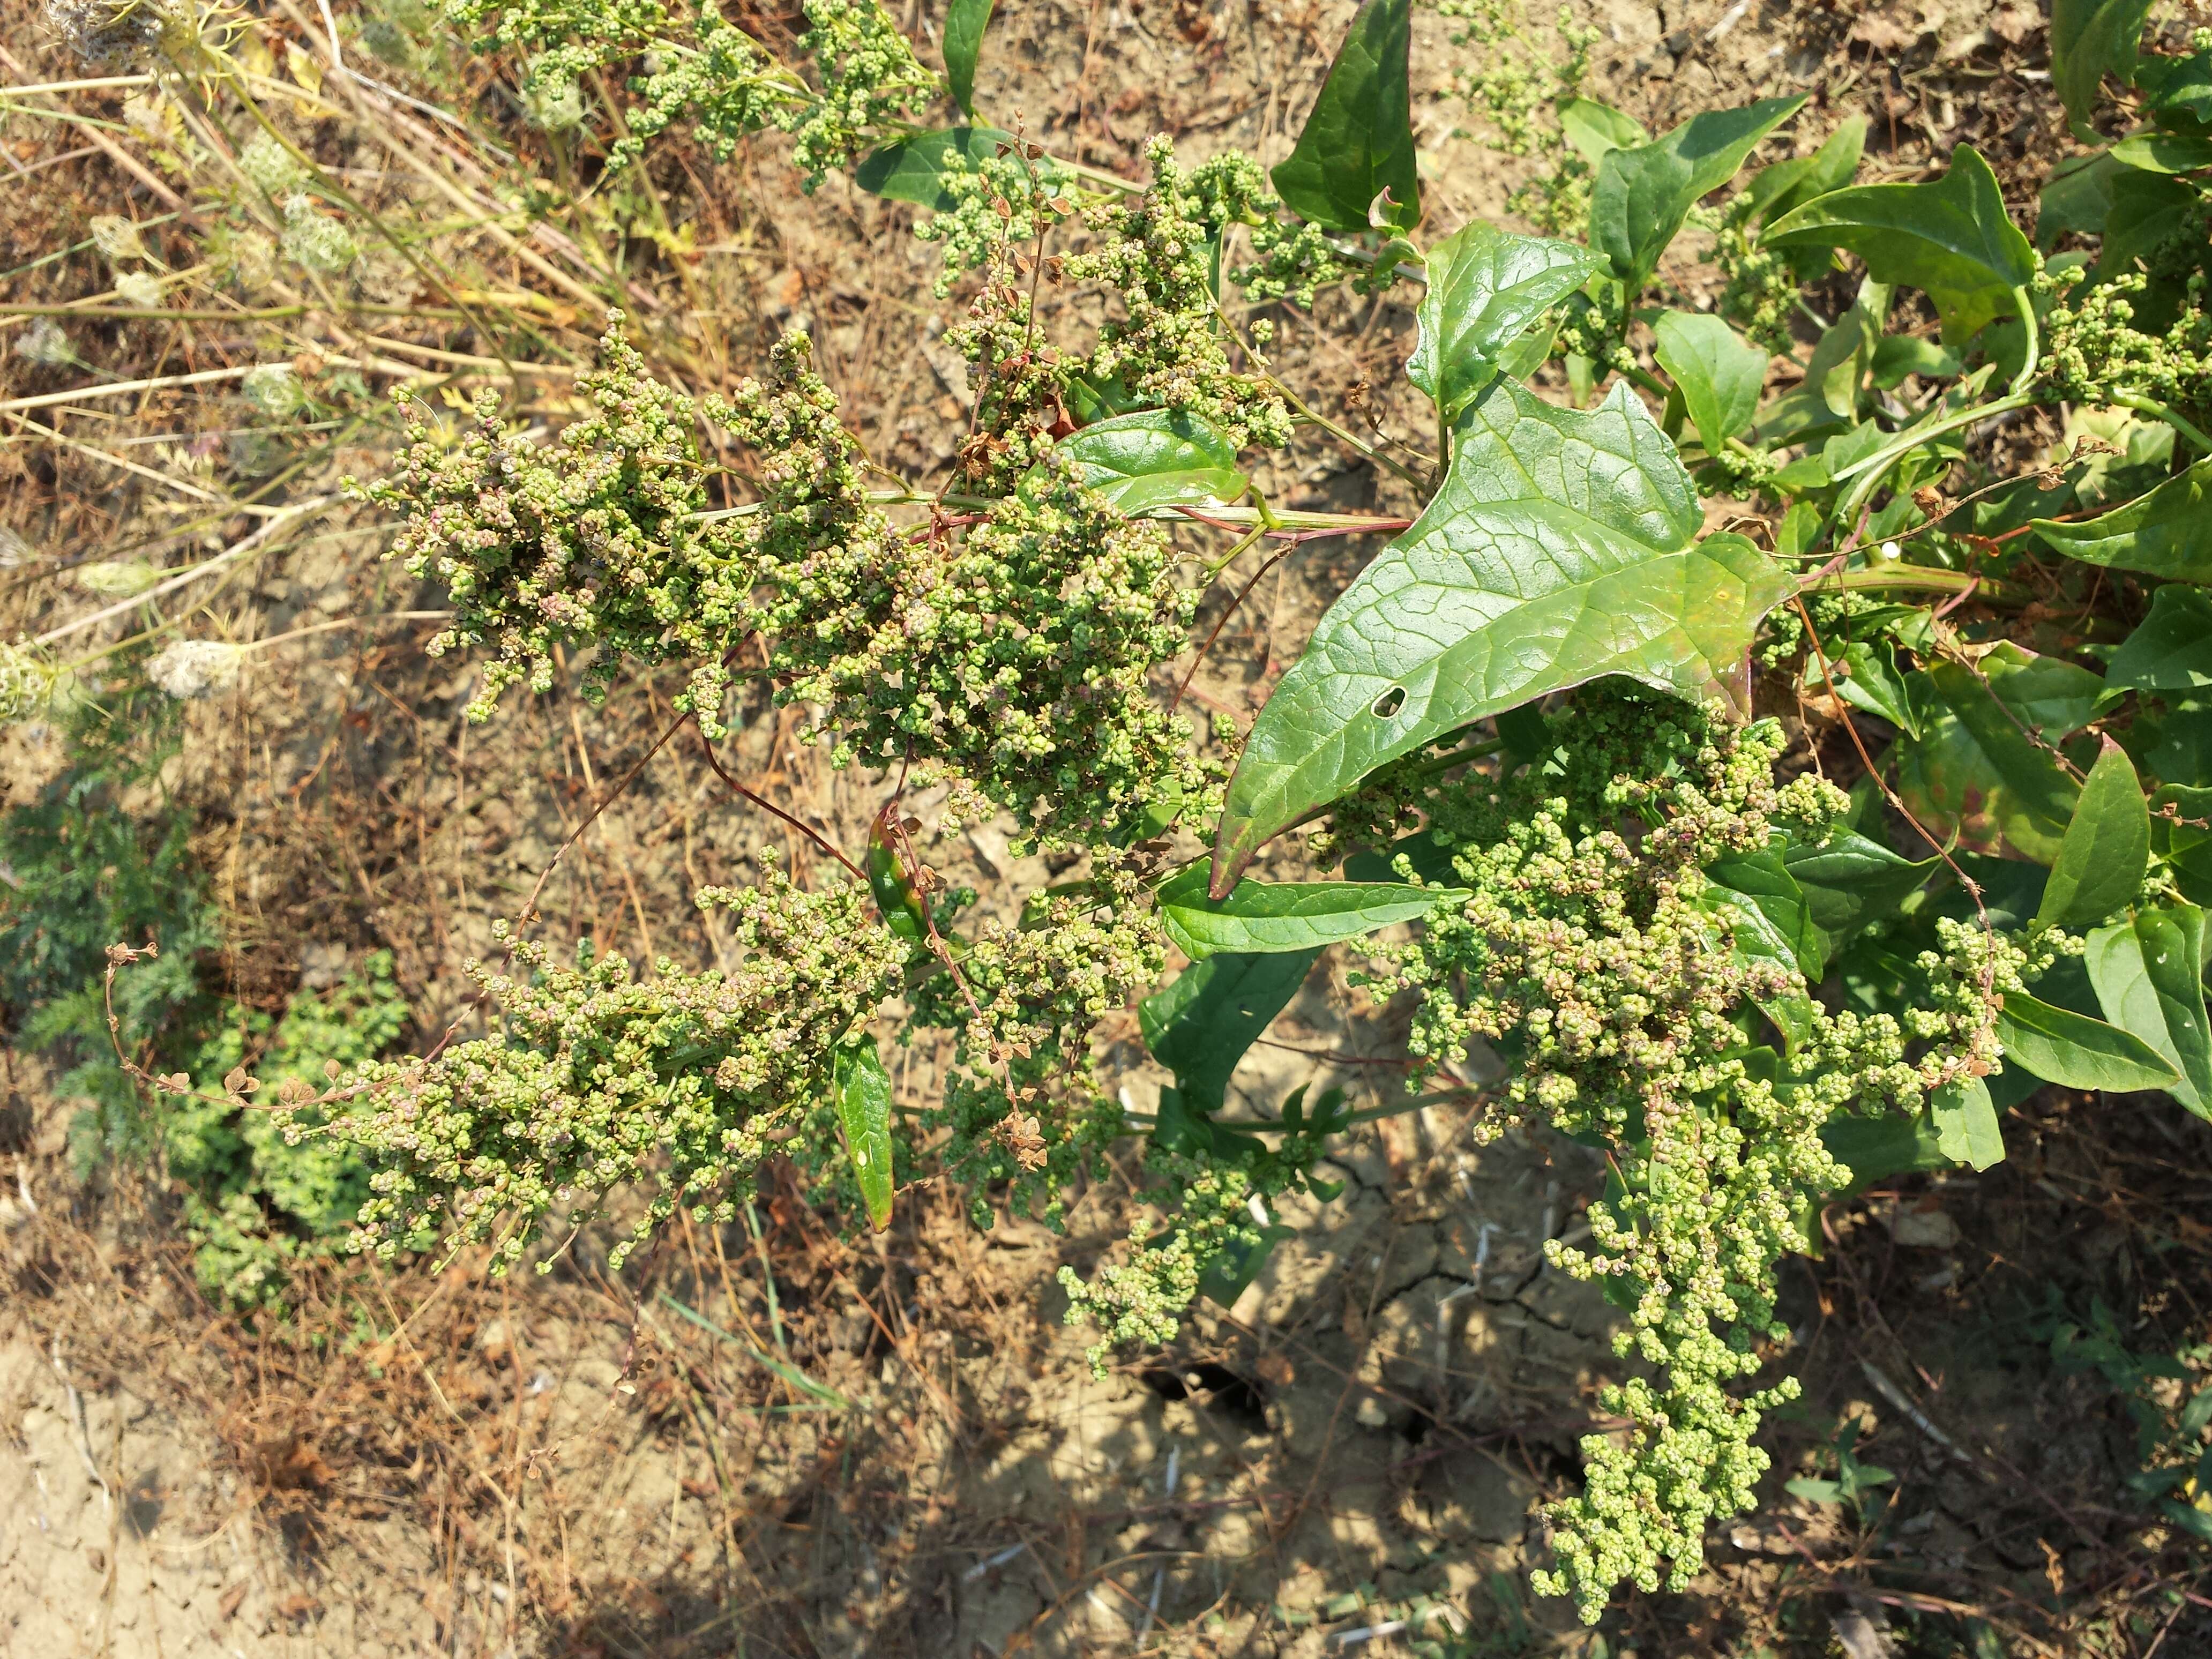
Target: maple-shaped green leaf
[[1292, 915], [964, 23], [1357, 142], [2167, 532], [1951, 238], [1981, 768], [2149, 972], [1719, 376], [915, 169], [1644, 193], [863, 1090], [1152, 459], [2106, 848], [1200, 1024], [1484, 286], [2076, 1051], [2087, 39], [1563, 546], [2171, 651]]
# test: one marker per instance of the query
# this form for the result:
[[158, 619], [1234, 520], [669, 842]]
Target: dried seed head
[[195, 668], [117, 237], [46, 343]]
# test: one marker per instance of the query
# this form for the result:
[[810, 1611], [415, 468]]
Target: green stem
[[1266, 517], [2021, 381], [1650, 382], [2158, 411], [1916, 577], [1343, 436], [1869, 471]]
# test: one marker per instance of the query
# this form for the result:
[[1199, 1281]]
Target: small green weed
[[87, 872]]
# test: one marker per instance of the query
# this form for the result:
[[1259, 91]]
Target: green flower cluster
[[594, 541], [1011, 659], [1142, 1299], [722, 79], [1158, 252], [2094, 349], [1512, 84], [599, 1080], [1605, 963], [869, 74], [1758, 292], [1042, 985], [1218, 1186], [1006, 201], [727, 85]]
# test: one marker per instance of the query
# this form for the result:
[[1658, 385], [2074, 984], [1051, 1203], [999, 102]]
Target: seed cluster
[[2094, 347], [1590, 946], [1011, 659], [1157, 254], [599, 1079], [593, 541]]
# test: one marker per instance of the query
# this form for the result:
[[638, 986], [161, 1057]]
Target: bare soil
[[588, 1464]]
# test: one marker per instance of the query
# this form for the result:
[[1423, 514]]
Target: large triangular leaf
[[1951, 238], [1595, 129], [1359, 141], [2177, 86], [2167, 532], [2076, 1051], [1719, 376], [2087, 38], [1291, 915], [915, 169], [1200, 1024], [1980, 768], [1849, 881], [1485, 286], [1562, 547], [1643, 193], [2165, 152], [1876, 1148], [1967, 1130], [2149, 972], [1152, 459], [1762, 881], [1774, 191], [2107, 848], [2172, 649]]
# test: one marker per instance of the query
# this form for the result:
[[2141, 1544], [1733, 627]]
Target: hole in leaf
[[1389, 702]]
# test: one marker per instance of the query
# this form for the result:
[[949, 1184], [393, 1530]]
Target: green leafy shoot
[[1353, 163]]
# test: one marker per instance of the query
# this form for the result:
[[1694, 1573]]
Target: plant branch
[[768, 805]]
